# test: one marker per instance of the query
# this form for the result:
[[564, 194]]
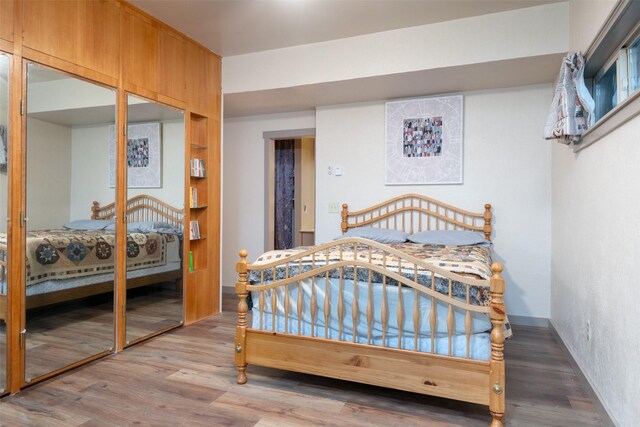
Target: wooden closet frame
[[115, 44], [458, 378]]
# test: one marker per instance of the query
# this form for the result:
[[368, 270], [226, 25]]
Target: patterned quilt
[[467, 260], [68, 254]]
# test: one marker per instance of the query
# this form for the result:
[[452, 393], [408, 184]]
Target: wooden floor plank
[[187, 377]]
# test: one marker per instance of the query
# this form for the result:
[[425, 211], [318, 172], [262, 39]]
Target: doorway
[[289, 189]]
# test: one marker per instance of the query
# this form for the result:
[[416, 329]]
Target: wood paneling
[[139, 52], [199, 86], [83, 33], [172, 56], [51, 27], [98, 36], [6, 20]]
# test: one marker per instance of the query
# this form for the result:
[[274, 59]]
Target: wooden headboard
[[142, 208], [413, 213]]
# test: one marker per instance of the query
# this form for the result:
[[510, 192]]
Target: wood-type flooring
[[186, 378]]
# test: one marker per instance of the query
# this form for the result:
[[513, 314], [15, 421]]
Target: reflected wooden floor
[[62, 334], [186, 377]]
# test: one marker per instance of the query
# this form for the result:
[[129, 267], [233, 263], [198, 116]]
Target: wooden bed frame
[[458, 378], [139, 208]]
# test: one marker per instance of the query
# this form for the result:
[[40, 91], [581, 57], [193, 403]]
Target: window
[[619, 78], [612, 72]]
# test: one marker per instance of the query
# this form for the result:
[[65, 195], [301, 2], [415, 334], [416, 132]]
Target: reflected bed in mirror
[[154, 234], [66, 170]]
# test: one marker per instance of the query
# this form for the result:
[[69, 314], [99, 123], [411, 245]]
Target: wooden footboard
[[355, 358]]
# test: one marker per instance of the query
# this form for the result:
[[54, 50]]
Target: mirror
[[4, 144], [155, 167], [70, 253]]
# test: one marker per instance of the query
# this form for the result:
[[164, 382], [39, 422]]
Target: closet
[[111, 233]]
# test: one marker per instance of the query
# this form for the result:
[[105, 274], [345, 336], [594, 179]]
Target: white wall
[[90, 168], [594, 266], [595, 251], [243, 192], [513, 34], [506, 163], [586, 17], [48, 174]]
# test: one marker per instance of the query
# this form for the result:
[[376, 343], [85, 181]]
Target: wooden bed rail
[[142, 208], [278, 293], [414, 213]]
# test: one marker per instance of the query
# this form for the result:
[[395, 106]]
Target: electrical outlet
[[588, 330], [334, 207]]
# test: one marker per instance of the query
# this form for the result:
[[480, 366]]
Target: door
[[155, 218], [284, 185], [70, 257]]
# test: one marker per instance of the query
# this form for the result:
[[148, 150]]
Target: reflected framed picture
[[144, 156], [424, 141]]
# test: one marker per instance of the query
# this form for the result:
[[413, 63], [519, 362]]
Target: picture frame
[[424, 141], [144, 155]]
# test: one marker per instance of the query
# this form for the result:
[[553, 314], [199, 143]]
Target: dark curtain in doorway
[[284, 193]]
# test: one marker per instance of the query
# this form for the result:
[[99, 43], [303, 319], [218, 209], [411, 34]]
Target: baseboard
[[540, 322], [605, 417]]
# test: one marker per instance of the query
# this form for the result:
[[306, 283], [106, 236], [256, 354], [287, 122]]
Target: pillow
[[449, 237], [147, 227], [88, 224], [381, 235]]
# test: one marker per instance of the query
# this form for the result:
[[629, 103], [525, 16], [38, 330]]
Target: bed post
[[95, 207], [344, 214], [487, 221], [496, 365], [241, 328]]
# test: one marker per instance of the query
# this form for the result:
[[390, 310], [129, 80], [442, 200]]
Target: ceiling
[[234, 27]]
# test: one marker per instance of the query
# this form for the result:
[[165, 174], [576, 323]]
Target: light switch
[[337, 171]]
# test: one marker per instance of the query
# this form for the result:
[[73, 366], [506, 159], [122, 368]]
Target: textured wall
[[595, 253]]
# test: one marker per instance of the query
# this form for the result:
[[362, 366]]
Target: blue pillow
[[88, 224], [381, 235], [449, 237]]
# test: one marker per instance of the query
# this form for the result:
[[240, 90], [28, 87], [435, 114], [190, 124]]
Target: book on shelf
[[190, 260], [194, 230], [197, 168], [193, 197]]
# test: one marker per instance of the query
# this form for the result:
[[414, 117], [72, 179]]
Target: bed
[[154, 254], [356, 309]]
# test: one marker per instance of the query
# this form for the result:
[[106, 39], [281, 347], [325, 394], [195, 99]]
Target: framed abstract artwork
[[424, 141], [144, 156]]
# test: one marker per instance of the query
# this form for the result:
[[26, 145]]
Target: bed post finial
[[95, 207], [487, 221], [496, 364], [344, 213], [241, 328]]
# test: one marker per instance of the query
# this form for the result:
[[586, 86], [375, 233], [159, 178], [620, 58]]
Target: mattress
[[480, 342]]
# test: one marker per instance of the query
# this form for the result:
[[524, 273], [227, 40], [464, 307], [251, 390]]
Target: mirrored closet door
[[70, 249], [155, 161], [4, 252]]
